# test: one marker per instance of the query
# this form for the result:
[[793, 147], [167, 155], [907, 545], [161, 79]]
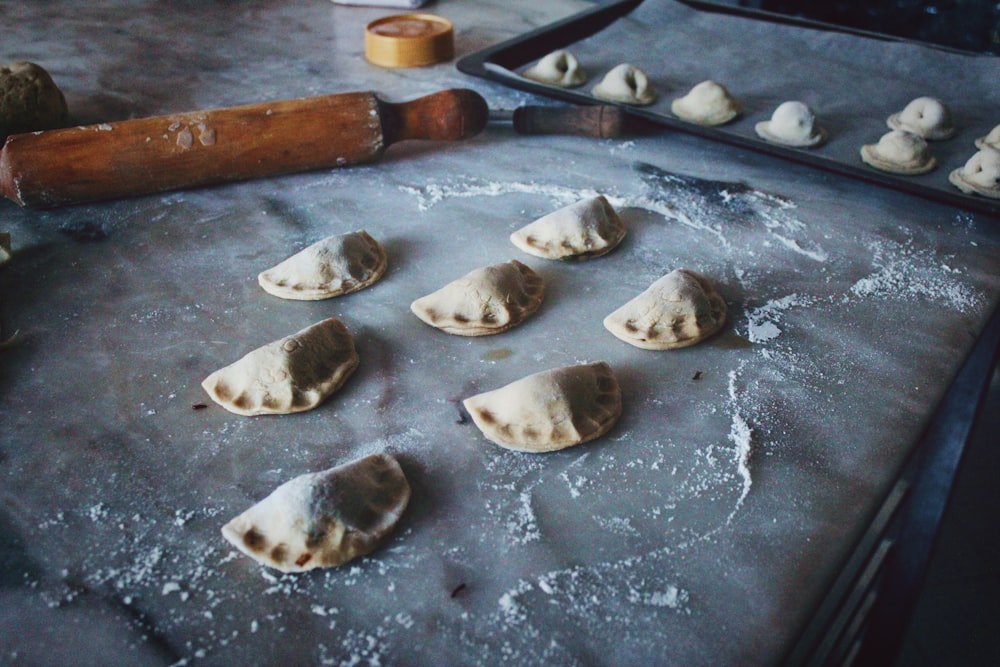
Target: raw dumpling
[[323, 519], [559, 68], [980, 174], [899, 152], [926, 117], [293, 374], [680, 309], [550, 410], [485, 301], [588, 228], [990, 139], [625, 83], [336, 265], [793, 124], [708, 103]]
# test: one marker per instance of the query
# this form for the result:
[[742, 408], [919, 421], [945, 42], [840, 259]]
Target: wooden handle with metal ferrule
[[142, 156]]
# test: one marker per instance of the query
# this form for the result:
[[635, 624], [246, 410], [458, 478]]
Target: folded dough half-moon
[[587, 228], [625, 83], [708, 103], [793, 123], [927, 117], [331, 267], [323, 519], [680, 309], [550, 410], [293, 374], [559, 68], [980, 174], [899, 152], [486, 301], [990, 140]]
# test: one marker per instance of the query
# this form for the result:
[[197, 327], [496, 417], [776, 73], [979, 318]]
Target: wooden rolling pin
[[147, 155]]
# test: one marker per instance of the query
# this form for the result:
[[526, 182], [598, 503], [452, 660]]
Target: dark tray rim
[[490, 63]]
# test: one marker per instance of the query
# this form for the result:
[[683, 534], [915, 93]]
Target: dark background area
[[970, 25]]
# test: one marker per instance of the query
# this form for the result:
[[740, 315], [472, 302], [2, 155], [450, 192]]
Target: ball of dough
[[926, 117], [29, 100], [899, 152], [793, 124], [980, 175]]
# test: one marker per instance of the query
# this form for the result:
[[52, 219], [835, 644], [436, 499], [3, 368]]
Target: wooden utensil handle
[[146, 155]]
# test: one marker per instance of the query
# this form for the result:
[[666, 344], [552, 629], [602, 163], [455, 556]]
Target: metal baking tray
[[503, 61]]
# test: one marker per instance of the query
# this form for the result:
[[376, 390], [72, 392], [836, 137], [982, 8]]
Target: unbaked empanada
[[899, 152], [990, 140], [680, 309], [625, 83], [293, 374], [588, 228], [980, 174], [927, 117], [331, 267], [323, 519], [708, 103], [486, 301], [794, 124], [559, 68], [550, 410]]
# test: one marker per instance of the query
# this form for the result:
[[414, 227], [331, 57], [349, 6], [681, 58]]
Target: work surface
[[704, 528]]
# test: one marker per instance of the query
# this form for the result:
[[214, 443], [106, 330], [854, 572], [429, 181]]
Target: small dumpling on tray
[[587, 228], [336, 265], [485, 301], [625, 83], [324, 519], [680, 309], [293, 374], [551, 410], [559, 68]]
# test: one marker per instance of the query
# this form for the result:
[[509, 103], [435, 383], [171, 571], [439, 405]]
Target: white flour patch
[[762, 322], [741, 435], [905, 272]]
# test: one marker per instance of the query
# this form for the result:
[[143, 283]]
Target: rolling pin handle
[[448, 115], [602, 121]]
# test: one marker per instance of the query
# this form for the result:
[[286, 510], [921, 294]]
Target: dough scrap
[[980, 174], [990, 140], [323, 519], [293, 374], [485, 301], [927, 117], [625, 83], [587, 228], [899, 152], [331, 267], [680, 309], [708, 103], [794, 124], [559, 68], [29, 100], [550, 410]]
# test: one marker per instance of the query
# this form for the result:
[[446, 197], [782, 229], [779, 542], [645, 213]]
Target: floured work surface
[[853, 82], [703, 528]]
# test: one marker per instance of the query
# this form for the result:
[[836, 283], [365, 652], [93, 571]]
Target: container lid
[[409, 40]]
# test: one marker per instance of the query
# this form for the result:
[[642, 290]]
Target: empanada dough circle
[[899, 152], [550, 410], [559, 68], [336, 265], [708, 103], [680, 309], [485, 301], [323, 519], [980, 174], [990, 140], [627, 84], [794, 124], [584, 229], [926, 117], [293, 374]]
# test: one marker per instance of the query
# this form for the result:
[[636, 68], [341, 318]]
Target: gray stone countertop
[[703, 529]]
